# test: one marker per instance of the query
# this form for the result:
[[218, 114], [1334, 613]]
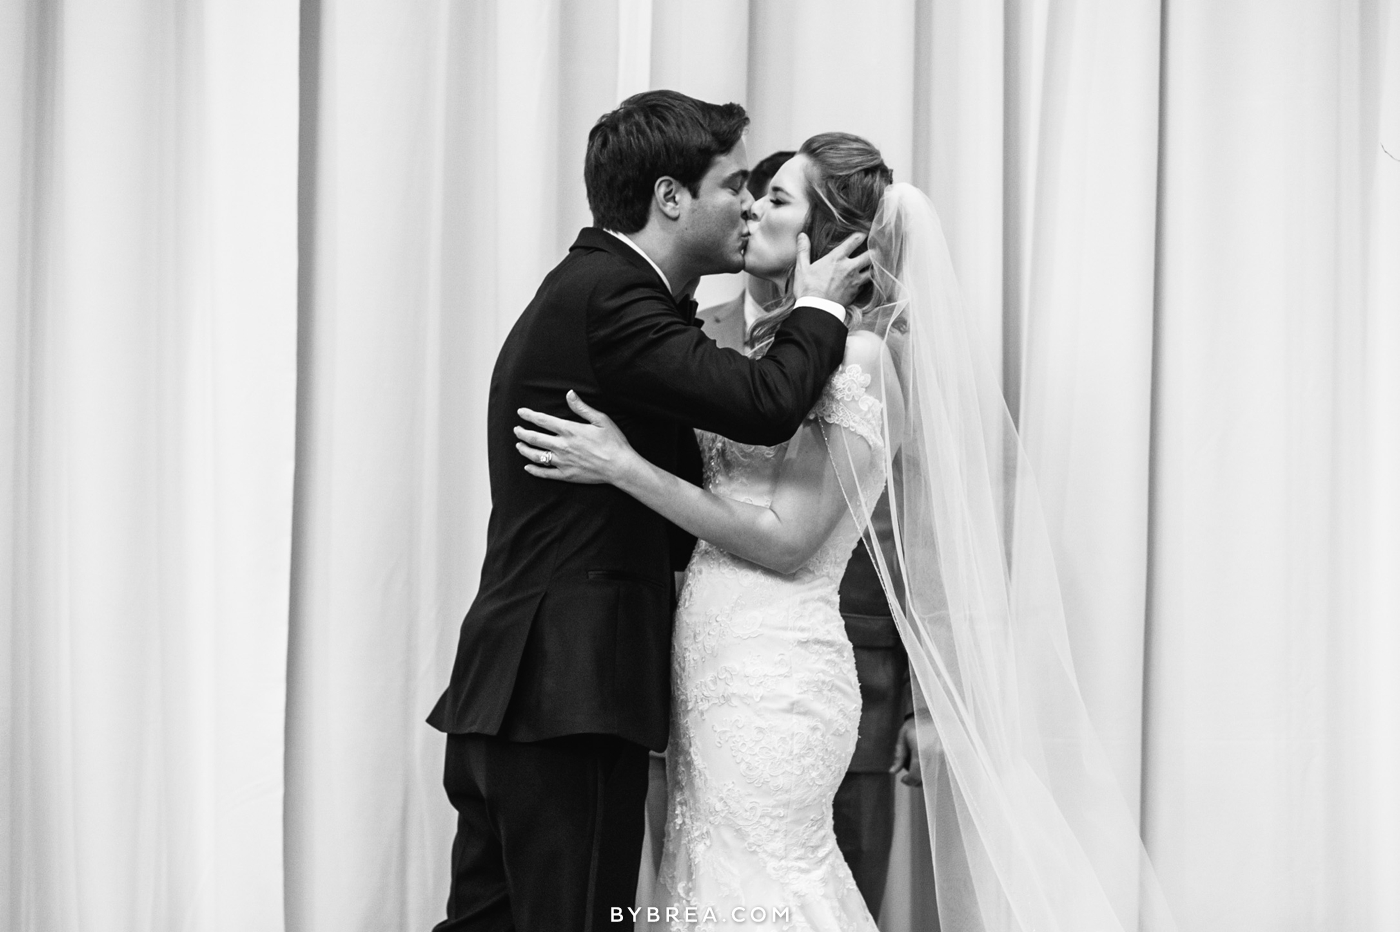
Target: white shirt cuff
[[831, 307]]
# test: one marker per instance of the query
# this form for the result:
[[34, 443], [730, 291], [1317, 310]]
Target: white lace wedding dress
[[765, 709]]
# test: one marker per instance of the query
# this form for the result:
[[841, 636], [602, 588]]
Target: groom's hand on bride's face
[[836, 276]]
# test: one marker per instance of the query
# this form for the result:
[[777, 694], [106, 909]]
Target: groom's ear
[[666, 194]]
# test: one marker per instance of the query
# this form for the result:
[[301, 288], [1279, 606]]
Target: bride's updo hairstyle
[[845, 181], [846, 178]]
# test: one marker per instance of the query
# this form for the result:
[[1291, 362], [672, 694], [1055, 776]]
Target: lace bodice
[[750, 473], [766, 700], [847, 402]]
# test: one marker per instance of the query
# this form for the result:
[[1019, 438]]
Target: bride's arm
[[807, 503]]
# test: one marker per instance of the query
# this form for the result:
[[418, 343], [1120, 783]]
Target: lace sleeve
[[846, 403]]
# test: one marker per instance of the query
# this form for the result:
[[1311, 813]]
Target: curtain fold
[[1374, 699], [152, 328], [1085, 230], [361, 841], [1270, 212]]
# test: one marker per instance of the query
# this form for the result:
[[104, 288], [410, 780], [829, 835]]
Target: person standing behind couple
[[864, 804]]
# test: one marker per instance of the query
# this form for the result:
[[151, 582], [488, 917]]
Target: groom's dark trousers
[[562, 676]]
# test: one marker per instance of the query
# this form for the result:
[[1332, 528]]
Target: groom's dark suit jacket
[[570, 632]]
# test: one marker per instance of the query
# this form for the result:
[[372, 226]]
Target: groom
[[562, 676]]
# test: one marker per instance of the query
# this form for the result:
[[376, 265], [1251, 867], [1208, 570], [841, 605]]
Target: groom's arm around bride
[[561, 680]]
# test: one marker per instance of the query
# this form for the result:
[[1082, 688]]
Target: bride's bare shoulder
[[864, 349]]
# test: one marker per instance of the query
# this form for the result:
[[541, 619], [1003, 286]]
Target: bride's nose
[[757, 208]]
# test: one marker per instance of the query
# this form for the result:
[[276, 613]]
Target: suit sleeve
[[649, 360]]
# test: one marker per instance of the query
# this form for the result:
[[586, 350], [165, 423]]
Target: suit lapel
[[594, 238]]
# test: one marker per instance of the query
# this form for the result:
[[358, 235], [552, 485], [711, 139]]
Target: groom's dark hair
[[651, 135]]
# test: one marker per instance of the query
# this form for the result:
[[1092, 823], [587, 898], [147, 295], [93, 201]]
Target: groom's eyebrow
[[738, 177]]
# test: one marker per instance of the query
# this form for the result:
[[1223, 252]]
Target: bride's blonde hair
[[846, 179]]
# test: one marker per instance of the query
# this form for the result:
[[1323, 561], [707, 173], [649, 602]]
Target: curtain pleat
[[1085, 231], [152, 325], [1270, 171]]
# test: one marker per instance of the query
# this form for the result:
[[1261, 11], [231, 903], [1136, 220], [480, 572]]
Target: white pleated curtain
[[255, 264], [147, 431]]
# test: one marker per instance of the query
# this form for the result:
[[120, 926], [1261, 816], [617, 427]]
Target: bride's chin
[[768, 275]]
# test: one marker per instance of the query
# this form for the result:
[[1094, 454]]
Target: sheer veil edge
[[1027, 824]]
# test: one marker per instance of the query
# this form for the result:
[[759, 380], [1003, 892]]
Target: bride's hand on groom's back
[[592, 451], [836, 276]]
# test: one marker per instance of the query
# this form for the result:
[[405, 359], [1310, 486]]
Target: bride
[[1026, 823]]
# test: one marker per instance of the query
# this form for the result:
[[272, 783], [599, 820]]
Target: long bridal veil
[[1027, 823]]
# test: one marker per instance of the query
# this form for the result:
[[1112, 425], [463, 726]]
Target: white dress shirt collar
[[626, 239]]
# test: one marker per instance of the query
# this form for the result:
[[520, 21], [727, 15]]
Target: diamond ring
[[547, 458]]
